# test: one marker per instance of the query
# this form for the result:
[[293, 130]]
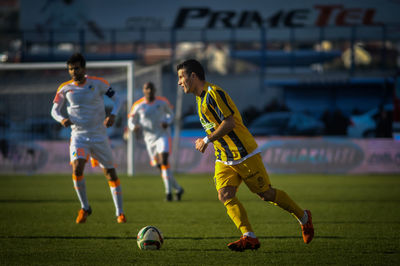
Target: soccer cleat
[[121, 218], [82, 215], [179, 194], [308, 229], [168, 197], [245, 242]]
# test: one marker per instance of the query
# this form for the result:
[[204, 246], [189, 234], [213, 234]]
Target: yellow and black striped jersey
[[213, 106]]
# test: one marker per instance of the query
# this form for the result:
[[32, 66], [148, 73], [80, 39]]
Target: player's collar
[[80, 84], [150, 100], [205, 88]]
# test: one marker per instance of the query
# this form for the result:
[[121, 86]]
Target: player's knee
[[77, 167], [268, 195], [111, 174], [77, 170], [77, 173], [221, 198], [226, 193], [164, 158]]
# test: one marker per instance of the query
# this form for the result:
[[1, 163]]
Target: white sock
[[165, 174], [80, 188], [250, 234], [173, 182], [304, 219], [116, 192]]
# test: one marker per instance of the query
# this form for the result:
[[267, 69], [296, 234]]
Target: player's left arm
[[110, 119], [169, 115]]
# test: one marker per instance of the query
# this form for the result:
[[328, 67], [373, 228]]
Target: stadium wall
[[280, 155], [224, 14]]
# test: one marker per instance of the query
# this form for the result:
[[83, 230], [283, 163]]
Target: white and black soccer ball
[[150, 238]]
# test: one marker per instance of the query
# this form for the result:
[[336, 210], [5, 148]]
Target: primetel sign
[[319, 15], [219, 18]]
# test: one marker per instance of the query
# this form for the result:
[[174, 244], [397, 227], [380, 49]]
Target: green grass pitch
[[356, 219]]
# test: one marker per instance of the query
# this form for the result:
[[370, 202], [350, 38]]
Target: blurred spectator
[[275, 106], [5, 125], [383, 123], [249, 114], [336, 123], [4, 145], [356, 111], [341, 122]]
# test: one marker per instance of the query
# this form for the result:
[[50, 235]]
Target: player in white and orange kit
[[88, 121], [151, 115]]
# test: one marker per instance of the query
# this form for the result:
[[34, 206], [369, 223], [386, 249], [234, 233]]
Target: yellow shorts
[[251, 171]]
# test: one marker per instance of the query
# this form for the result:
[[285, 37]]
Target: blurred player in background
[[88, 121], [151, 117], [237, 156]]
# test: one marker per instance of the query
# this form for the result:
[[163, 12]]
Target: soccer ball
[[150, 238]]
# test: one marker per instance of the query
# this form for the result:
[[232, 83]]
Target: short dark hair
[[77, 57], [192, 65], [150, 85]]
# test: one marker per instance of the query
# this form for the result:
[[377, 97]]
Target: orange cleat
[[121, 219], [308, 229], [82, 215], [244, 243]]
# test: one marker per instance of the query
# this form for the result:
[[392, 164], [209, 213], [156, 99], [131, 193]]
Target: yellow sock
[[238, 215], [285, 202]]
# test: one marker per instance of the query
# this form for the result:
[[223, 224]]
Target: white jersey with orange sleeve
[[150, 116], [85, 107]]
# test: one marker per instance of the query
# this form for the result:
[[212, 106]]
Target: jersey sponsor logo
[[207, 126], [110, 92]]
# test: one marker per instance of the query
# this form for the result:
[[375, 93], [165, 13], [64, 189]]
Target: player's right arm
[[133, 119], [58, 103]]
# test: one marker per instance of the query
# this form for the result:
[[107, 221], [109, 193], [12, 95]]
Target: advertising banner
[[100, 16], [280, 155]]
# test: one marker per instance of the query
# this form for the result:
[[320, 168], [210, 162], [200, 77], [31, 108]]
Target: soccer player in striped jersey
[[151, 116], [88, 121], [237, 156]]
